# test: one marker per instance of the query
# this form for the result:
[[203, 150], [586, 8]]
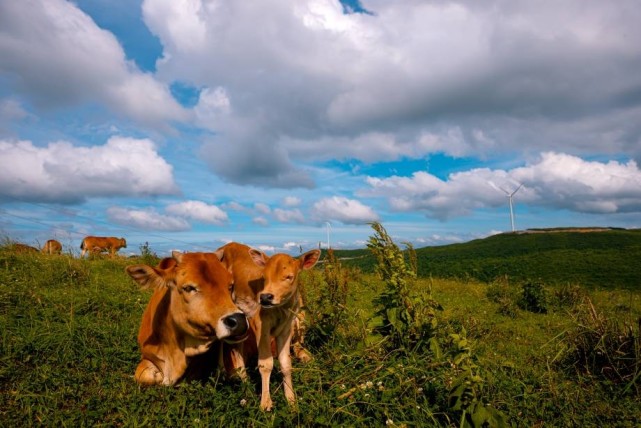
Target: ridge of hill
[[604, 257]]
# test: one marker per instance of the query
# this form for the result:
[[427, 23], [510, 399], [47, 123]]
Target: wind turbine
[[510, 195], [329, 226]]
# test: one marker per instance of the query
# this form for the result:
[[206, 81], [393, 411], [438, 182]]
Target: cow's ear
[[177, 255], [220, 253], [258, 257], [309, 259], [146, 276], [167, 263]]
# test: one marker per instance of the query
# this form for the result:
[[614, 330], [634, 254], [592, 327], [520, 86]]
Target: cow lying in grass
[[191, 308], [266, 289]]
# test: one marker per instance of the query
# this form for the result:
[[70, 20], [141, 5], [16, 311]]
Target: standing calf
[[266, 289], [279, 304]]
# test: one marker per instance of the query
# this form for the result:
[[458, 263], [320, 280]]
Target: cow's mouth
[[237, 339], [270, 304]]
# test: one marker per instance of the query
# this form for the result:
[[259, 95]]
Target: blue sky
[[187, 124]]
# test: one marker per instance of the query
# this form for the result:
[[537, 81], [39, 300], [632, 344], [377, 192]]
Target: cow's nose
[[237, 324], [266, 299]]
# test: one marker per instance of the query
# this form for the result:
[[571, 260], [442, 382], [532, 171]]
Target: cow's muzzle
[[237, 326]]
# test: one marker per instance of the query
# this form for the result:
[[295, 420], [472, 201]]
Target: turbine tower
[[329, 226], [509, 195]]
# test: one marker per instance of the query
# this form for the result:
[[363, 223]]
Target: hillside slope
[[604, 257]]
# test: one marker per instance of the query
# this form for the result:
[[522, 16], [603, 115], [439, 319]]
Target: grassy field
[[606, 258], [68, 353]]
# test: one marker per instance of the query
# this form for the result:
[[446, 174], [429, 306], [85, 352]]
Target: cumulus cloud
[[348, 211], [56, 56], [147, 219], [410, 79], [261, 221], [262, 208], [553, 180], [64, 173], [289, 216], [291, 201], [198, 210]]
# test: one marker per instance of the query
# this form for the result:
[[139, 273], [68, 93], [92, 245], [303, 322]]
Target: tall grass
[[68, 352]]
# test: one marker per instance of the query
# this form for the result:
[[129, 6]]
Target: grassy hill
[[593, 257]]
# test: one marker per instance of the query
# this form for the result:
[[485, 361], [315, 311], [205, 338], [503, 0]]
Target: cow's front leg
[[285, 360], [265, 367]]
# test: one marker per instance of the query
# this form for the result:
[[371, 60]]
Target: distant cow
[[23, 248], [191, 309], [52, 247], [277, 301], [98, 244]]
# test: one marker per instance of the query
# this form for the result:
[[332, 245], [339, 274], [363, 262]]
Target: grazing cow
[[98, 244], [190, 310], [23, 248], [52, 247], [273, 284]]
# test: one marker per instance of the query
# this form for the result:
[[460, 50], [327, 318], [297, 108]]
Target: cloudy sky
[[190, 123]]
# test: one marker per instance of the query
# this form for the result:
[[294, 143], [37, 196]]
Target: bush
[[569, 296], [329, 291], [533, 298], [605, 349], [499, 291]]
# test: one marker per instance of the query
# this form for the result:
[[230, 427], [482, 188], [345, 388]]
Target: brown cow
[[52, 247], [248, 282], [98, 244], [191, 309], [278, 302], [23, 248]]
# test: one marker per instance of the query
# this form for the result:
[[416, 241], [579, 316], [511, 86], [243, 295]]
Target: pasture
[[68, 352]]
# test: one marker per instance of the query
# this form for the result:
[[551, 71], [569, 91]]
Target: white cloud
[[291, 201], [11, 109], [61, 172], [348, 211], [262, 208], [147, 219], [198, 210], [291, 246], [553, 180], [261, 221], [69, 60], [289, 216], [411, 79], [234, 206], [266, 248]]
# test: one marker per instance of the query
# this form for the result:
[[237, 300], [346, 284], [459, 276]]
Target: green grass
[[68, 352], [607, 258]]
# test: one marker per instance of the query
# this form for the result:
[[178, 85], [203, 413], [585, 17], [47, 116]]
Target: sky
[[186, 124]]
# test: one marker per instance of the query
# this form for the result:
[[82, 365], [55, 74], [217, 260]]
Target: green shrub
[[408, 322], [410, 326], [499, 291], [605, 349], [326, 311], [568, 296], [533, 297]]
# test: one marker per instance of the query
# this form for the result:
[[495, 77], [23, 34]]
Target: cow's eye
[[189, 288]]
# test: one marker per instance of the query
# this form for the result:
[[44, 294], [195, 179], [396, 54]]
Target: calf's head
[[281, 275], [200, 304]]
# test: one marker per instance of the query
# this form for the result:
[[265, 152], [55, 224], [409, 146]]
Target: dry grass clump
[[606, 348]]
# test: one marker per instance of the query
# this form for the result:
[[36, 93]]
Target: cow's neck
[[282, 316]]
